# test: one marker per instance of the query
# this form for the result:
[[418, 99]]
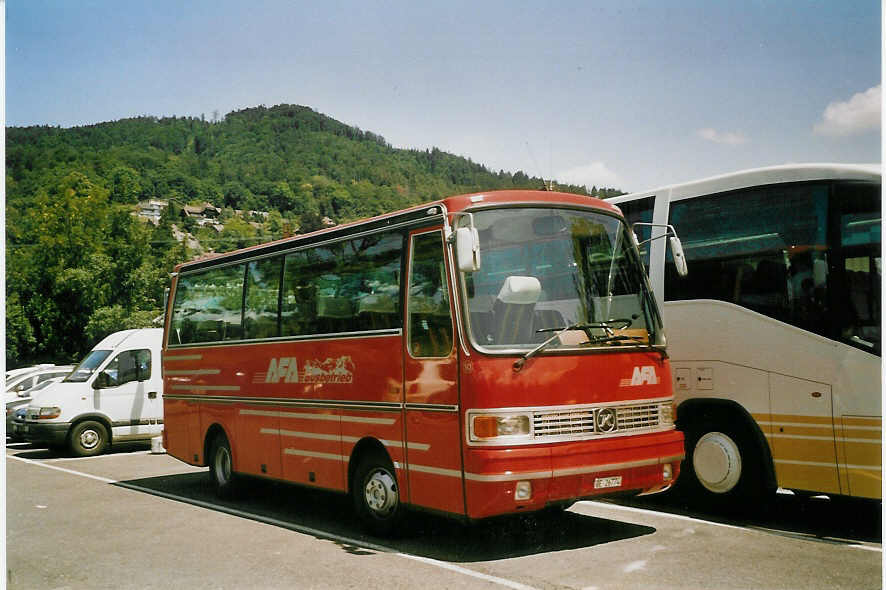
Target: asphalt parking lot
[[132, 519]]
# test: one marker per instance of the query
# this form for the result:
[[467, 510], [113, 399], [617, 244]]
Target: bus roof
[[409, 216], [761, 176]]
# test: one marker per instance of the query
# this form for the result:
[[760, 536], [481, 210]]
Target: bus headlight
[[485, 427], [666, 414]]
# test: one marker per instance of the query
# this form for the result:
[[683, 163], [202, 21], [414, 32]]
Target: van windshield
[[88, 366]]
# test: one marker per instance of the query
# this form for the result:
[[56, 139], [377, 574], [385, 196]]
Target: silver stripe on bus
[[191, 372], [256, 401], [331, 417], [348, 439], [616, 466], [183, 357], [208, 388], [300, 453], [434, 470], [432, 407]]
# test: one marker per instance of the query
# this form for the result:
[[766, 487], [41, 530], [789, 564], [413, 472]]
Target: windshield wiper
[[608, 325], [614, 338]]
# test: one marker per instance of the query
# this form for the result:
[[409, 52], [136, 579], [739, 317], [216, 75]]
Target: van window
[[130, 365], [85, 369]]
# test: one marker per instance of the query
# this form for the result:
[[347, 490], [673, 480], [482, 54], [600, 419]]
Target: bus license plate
[[607, 482]]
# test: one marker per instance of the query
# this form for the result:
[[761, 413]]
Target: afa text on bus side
[[481, 355]]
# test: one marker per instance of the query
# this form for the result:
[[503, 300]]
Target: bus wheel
[[722, 466], [376, 494], [221, 467], [88, 438]]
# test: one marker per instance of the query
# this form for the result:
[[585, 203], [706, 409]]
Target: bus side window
[[262, 295], [430, 323]]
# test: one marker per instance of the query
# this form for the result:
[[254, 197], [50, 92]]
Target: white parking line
[[294, 527], [720, 524]]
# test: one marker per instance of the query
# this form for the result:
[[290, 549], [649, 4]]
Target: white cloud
[[590, 175], [724, 137], [859, 114]]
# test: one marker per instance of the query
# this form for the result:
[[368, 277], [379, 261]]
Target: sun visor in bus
[[520, 290]]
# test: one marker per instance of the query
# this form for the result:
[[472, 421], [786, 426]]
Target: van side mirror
[[467, 249], [679, 256]]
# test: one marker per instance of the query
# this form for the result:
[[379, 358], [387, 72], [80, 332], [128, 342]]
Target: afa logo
[[642, 376], [283, 368], [330, 370]]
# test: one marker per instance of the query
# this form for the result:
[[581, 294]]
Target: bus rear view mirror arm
[[674, 241]]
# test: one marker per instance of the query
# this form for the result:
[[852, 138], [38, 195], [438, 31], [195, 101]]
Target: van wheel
[[376, 494], [88, 438], [221, 467]]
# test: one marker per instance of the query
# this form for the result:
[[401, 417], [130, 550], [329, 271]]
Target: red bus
[[484, 354]]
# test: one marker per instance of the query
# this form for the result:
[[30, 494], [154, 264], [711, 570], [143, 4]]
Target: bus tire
[[88, 438], [723, 467], [376, 494], [221, 467]]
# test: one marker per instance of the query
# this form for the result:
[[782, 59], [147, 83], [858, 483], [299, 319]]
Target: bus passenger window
[[262, 295], [430, 323], [208, 306]]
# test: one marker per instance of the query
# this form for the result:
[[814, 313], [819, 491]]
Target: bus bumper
[[525, 479]]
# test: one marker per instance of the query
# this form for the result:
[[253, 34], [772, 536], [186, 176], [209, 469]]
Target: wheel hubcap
[[89, 439], [717, 462], [381, 493]]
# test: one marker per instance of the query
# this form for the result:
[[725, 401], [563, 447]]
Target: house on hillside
[[152, 210]]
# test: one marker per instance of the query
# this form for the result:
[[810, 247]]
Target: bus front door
[[433, 448]]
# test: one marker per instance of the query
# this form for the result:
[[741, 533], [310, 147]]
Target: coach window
[[260, 318], [762, 248], [430, 323], [636, 211]]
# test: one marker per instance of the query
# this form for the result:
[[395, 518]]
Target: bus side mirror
[[467, 249], [679, 256]]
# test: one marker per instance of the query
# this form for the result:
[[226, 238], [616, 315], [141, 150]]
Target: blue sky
[[617, 93]]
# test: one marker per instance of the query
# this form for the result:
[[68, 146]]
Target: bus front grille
[[577, 423]]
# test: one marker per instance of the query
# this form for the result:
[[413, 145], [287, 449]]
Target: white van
[[115, 394]]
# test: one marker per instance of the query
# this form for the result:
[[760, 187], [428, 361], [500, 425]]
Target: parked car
[[21, 380], [115, 394], [19, 403]]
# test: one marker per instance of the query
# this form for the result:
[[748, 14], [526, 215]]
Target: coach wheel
[[88, 438], [376, 495], [716, 461], [723, 466], [221, 467]]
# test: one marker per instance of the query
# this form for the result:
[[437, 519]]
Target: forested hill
[[79, 264]]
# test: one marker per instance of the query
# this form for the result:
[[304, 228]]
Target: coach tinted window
[[762, 248], [636, 211]]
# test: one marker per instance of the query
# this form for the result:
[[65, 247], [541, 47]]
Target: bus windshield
[[549, 270], [88, 366]]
